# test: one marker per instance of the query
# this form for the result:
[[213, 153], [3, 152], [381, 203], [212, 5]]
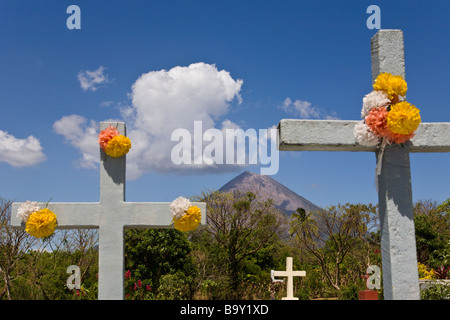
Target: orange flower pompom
[[376, 120], [106, 135]]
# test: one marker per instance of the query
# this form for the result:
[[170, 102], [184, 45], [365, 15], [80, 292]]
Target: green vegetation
[[229, 259]]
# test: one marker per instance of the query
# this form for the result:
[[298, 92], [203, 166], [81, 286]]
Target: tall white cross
[[111, 215], [290, 274], [398, 244]]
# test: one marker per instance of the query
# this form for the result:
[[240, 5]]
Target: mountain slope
[[266, 187]]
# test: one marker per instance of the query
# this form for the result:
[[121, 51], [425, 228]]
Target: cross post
[[111, 216], [290, 274], [398, 245]]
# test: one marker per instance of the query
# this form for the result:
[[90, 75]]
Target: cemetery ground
[[229, 259]]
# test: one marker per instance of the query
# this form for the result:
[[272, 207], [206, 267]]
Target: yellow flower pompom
[[41, 224], [424, 273], [403, 118], [392, 85], [398, 85], [118, 146], [189, 221]]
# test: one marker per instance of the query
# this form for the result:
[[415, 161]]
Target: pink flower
[[376, 120], [128, 274], [149, 288], [106, 135], [139, 284]]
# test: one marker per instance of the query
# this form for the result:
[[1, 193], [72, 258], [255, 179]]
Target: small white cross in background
[[290, 274]]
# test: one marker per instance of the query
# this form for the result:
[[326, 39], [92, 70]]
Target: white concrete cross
[[111, 215], [398, 244], [290, 274]]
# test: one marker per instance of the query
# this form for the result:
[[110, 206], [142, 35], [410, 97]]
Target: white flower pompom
[[375, 99], [179, 206], [26, 209], [364, 136]]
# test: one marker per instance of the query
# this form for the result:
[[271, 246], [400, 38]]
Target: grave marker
[[290, 274], [111, 215], [398, 244]]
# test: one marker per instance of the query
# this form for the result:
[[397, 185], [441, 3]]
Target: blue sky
[[57, 84]]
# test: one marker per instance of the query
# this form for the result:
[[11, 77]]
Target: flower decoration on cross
[[39, 223], [186, 217], [386, 117], [113, 143]]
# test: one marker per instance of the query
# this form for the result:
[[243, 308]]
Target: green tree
[[13, 245], [432, 227], [33, 268], [239, 226], [151, 254], [331, 235]]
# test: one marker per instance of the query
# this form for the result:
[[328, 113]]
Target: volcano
[[265, 187]]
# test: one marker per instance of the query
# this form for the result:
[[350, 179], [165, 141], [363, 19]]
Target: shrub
[[437, 291]]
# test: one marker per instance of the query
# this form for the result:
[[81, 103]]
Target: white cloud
[[161, 101], [180, 95], [332, 116], [106, 103], [20, 152], [165, 100], [92, 80], [83, 135], [304, 110], [300, 108]]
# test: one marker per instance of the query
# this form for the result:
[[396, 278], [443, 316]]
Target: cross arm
[[280, 273], [154, 214], [289, 273], [69, 215], [338, 135]]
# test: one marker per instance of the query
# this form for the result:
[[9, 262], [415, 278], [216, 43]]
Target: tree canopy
[[230, 258]]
